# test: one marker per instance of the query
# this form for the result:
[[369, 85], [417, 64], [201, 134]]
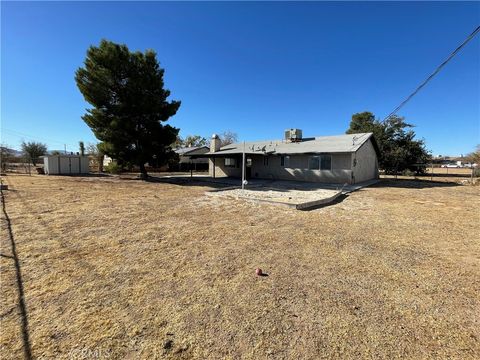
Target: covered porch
[[297, 167]]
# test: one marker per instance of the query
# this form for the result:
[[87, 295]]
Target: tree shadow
[[446, 175], [21, 295], [186, 181], [412, 184]]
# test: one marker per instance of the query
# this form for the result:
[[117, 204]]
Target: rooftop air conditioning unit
[[293, 135]]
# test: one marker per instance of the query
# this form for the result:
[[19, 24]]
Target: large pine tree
[[129, 104]]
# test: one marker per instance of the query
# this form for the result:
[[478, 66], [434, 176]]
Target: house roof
[[322, 144], [192, 150]]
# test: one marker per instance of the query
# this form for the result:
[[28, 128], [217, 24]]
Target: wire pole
[[437, 70], [243, 167]]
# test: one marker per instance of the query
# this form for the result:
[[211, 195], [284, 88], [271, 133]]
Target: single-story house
[[190, 158], [351, 158]]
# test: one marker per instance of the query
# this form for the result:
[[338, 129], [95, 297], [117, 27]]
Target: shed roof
[[322, 144], [64, 155]]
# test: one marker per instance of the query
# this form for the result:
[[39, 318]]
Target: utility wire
[[21, 135], [437, 70]]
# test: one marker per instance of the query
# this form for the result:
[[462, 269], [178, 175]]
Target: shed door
[[74, 165], [64, 165]]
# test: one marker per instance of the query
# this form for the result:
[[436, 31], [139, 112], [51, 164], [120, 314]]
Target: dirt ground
[[112, 268]]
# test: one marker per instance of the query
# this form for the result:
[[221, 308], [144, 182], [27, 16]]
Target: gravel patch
[[288, 196]]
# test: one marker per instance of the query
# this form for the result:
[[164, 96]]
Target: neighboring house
[[328, 159], [107, 160], [191, 158], [452, 161]]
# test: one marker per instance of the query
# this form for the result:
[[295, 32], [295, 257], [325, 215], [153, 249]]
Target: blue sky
[[249, 67]]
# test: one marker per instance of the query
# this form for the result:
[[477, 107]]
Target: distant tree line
[[474, 156], [226, 138]]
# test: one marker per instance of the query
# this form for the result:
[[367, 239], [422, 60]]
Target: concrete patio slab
[[299, 195]]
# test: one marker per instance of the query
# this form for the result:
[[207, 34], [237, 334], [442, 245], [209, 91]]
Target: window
[[314, 162], [326, 162], [322, 162], [285, 161], [229, 162], [265, 161]]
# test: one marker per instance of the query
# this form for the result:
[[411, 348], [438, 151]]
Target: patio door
[[248, 168]]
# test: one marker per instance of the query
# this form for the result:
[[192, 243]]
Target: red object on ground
[[258, 272]]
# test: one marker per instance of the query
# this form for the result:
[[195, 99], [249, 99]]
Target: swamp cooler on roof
[[293, 135]]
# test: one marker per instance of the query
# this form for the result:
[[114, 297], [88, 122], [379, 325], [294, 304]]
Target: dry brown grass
[[450, 171], [450, 175], [128, 269]]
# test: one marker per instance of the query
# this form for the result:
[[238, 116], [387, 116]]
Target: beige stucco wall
[[223, 171], [366, 167], [297, 170]]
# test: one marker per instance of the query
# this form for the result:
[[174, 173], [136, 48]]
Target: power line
[[20, 135], [437, 70]]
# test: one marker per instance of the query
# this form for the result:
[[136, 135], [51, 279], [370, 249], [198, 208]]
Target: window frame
[[310, 158], [229, 165], [285, 161], [321, 161]]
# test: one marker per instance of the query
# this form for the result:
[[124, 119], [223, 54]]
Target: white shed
[[66, 164]]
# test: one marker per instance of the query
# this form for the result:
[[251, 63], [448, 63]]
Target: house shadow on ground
[[285, 185], [261, 185]]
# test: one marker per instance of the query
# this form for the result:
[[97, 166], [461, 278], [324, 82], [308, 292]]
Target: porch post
[[243, 167]]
